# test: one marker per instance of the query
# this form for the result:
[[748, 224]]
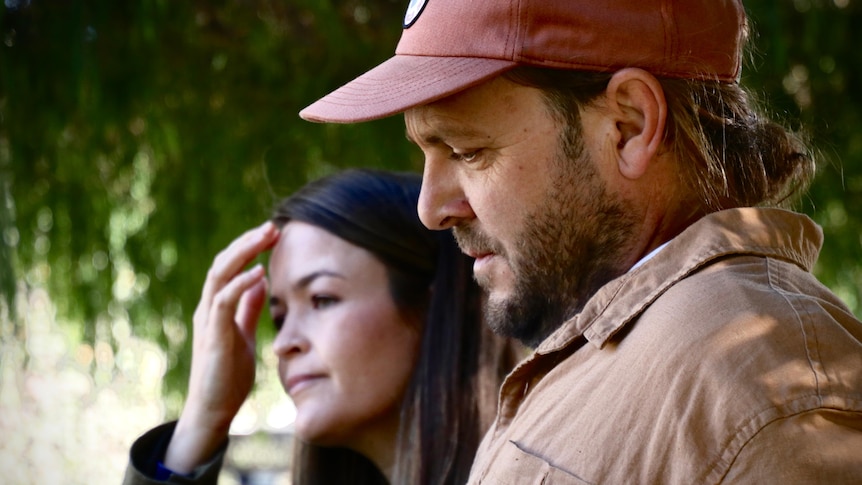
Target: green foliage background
[[138, 138]]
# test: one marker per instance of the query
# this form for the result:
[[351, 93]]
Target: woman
[[379, 343]]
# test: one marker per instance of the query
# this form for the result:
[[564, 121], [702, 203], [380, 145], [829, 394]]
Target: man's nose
[[442, 201]]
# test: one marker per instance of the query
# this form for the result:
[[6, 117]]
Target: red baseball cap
[[451, 45]]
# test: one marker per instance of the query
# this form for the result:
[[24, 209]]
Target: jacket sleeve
[[819, 446], [148, 450]]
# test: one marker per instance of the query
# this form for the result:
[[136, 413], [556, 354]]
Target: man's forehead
[[429, 126], [466, 114]]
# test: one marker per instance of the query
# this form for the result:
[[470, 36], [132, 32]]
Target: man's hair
[[726, 151]]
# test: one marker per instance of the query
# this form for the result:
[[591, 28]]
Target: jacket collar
[[774, 233]]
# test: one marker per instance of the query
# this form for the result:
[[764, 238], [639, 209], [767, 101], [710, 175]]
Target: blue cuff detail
[[163, 473]]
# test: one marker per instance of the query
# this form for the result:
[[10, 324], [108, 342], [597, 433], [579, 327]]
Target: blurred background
[[137, 138]]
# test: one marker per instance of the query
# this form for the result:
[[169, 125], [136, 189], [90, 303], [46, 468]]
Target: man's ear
[[636, 100]]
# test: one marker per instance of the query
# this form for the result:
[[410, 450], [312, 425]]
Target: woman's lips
[[300, 382]]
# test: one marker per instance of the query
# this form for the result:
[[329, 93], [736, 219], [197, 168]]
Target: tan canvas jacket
[[719, 360]]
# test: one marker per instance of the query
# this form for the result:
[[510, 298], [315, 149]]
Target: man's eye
[[319, 302], [466, 156]]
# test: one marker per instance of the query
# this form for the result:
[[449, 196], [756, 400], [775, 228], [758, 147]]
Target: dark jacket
[[149, 450]]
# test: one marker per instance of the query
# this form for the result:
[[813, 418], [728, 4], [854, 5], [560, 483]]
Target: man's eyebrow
[[428, 140], [444, 133], [306, 280]]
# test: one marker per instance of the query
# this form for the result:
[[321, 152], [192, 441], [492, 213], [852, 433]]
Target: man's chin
[[525, 318], [502, 315], [496, 296]]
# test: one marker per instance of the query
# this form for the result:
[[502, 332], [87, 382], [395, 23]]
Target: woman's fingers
[[250, 307], [224, 356], [238, 254], [230, 261], [227, 301]]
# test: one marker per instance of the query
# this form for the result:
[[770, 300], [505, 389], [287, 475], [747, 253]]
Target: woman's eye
[[319, 302], [278, 322]]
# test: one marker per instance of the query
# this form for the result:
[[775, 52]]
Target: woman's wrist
[[192, 446]]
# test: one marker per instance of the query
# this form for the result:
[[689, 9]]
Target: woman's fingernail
[[268, 228]]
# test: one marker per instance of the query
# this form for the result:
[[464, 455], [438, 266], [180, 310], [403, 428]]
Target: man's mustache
[[474, 242]]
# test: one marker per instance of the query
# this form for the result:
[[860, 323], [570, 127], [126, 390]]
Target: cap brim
[[401, 83]]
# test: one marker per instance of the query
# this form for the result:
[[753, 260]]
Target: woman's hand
[[223, 352]]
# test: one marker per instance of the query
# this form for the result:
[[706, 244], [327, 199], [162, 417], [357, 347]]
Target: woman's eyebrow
[[306, 280]]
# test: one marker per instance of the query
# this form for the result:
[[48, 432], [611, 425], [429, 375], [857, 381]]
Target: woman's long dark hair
[[451, 397]]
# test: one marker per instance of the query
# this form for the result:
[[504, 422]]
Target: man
[[605, 168]]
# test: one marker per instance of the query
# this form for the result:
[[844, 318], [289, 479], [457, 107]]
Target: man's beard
[[570, 247]]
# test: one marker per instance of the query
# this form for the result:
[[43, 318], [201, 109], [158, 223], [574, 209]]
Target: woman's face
[[345, 351]]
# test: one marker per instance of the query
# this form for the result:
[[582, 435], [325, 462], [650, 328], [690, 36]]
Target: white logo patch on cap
[[413, 10]]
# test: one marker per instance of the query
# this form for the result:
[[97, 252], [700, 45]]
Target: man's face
[[525, 197]]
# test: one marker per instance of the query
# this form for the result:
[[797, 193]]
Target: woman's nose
[[289, 341]]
